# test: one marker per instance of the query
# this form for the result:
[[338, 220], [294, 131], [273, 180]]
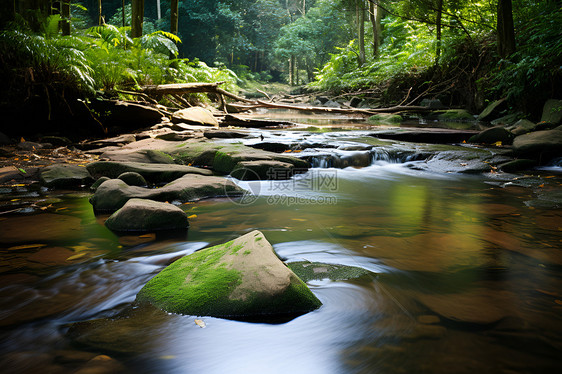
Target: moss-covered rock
[[454, 115], [65, 176], [308, 271], [98, 183], [494, 109], [240, 279], [552, 112], [548, 142], [147, 215]]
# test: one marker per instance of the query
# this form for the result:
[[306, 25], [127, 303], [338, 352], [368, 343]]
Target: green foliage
[[408, 47], [530, 76]]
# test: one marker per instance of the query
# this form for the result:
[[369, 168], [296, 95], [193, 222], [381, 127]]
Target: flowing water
[[465, 276]]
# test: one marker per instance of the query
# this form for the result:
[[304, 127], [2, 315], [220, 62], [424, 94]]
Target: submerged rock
[[308, 271], [147, 215], [114, 193], [65, 176], [240, 279], [262, 170]]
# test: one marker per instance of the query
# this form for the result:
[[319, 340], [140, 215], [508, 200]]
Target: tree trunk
[[506, 30], [100, 17], [174, 16], [158, 10], [360, 8], [123, 13], [65, 13], [438, 26], [375, 15], [137, 18]]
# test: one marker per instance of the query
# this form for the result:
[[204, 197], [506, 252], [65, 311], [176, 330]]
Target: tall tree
[[506, 31], [438, 27], [174, 16], [360, 9], [137, 18], [375, 16], [65, 13]]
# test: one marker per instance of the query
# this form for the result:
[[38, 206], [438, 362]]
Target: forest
[[465, 53]]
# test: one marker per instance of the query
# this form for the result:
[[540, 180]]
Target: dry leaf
[[200, 323], [26, 246], [151, 235], [192, 216], [75, 257]]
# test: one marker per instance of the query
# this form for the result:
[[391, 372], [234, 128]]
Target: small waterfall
[[342, 159]]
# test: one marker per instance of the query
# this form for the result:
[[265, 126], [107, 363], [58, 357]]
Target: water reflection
[[463, 277]]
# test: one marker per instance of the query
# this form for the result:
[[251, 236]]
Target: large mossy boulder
[[240, 279], [65, 176], [147, 215], [494, 109], [114, 193]]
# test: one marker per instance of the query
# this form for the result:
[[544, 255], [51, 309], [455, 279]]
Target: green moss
[[258, 238], [235, 249], [385, 118], [247, 252], [208, 285]]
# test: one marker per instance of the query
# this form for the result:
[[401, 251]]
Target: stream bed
[[465, 275]]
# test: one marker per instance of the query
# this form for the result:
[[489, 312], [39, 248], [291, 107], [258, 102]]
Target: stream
[[465, 275]]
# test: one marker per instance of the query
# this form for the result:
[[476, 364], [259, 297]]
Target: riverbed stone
[[196, 116], [154, 173], [521, 127], [65, 176], [308, 271], [133, 178], [547, 142], [114, 193], [98, 182], [552, 112], [242, 278], [454, 115], [147, 215], [47, 227], [262, 170], [493, 135], [517, 165]]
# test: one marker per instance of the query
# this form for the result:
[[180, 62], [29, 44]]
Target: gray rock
[[262, 170], [331, 104], [154, 173], [57, 141], [65, 176], [240, 279], [98, 182], [552, 112], [29, 146], [521, 127], [493, 135], [114, 193], [195, 116], [133, 179], [224, 134], [308, 271], [508, 119], [147, 215], [548, 142]]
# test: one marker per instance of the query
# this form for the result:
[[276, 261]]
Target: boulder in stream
[[114, 193], [155, 173], [240, 279], [147, 215], [547, 142]]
